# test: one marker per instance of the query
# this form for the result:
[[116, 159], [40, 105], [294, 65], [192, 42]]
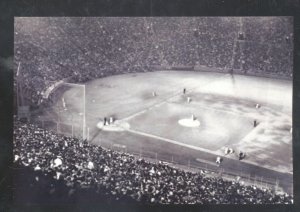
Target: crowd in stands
[[267, 46], [59, 168], [56, 168], [271, 30], [80, 49]]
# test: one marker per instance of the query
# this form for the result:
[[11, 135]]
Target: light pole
[[84, 121], [84, 109], [17, 78]]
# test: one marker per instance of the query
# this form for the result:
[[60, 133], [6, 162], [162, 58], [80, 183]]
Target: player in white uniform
[[64, 104]]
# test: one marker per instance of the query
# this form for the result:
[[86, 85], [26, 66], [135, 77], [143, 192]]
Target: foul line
[[201, 149], [171, 141]]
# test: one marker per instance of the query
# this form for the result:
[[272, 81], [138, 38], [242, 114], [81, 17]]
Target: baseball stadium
[[159, 110]]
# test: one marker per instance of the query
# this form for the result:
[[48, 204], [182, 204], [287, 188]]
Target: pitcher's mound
[[189, 122], [116, 126]]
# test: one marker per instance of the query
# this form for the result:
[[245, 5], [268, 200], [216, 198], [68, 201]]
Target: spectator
[[95, 173], [58, 48]]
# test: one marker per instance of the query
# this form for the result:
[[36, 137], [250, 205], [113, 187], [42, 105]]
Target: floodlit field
[[223, 105]]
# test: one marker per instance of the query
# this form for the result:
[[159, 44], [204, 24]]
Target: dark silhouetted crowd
[[50, 167]]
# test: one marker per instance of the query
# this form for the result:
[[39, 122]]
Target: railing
[[192, 165], [67, 129], [210, 170]]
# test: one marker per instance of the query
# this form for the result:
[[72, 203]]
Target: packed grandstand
[[60, 168], [80, 49]]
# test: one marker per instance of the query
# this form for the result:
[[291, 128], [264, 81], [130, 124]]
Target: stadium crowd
[[80, 49], [47, 50], [65, 169]]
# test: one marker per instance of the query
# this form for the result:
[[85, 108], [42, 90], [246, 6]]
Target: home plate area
[[117, 125]]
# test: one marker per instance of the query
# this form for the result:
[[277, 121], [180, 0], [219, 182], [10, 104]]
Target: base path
[[171, 141], [224, 107], [192, 86]]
